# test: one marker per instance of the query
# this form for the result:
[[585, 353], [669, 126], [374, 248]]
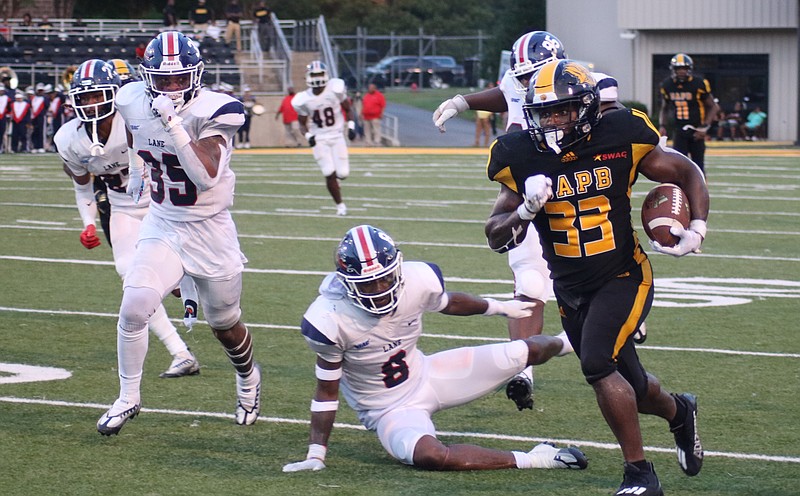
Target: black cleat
[[640, 482], [640, 336], [687, 440], [520, 390]]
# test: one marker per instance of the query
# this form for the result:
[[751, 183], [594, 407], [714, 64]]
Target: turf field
[[724, 326]]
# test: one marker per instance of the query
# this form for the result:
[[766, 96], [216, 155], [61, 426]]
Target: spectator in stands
[[263, 18], [170, 16], [200, 17], [233, 13], [27, 21], [45, 23], [294, 138], [731, 123], [754, 124], [140, 48], [372, 113]]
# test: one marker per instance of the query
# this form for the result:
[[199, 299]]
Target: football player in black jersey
[[692, 106], [570, 177]]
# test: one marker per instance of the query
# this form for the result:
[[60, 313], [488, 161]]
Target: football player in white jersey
[[531, 275], [364, 327], [95, 144], [319, 112], [184, 135]]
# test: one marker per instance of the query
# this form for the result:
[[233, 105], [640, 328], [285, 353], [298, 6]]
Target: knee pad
[[531, 283], [220, 301], [138, 305]]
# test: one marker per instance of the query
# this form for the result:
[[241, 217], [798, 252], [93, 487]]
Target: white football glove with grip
[[315, 460], [449, 109], [313, 464], [690, 242], [513, 309], [136, 176], [163, 105], [538, 189]]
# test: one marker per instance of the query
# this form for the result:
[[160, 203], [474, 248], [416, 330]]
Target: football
[[665, 205]]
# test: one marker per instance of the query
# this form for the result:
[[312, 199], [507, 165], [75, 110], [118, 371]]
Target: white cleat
[[120, 412], [181, 366], [341, 209], [248, 404]]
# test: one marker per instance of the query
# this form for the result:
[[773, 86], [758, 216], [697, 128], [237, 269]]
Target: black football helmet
[[172, 66], [125, 71], [681, 60], [93, 89], [316, 74], [530, 52], [369, 265], [562, 105]]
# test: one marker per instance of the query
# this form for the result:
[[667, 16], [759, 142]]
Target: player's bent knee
[[138, 305], [531, 284], [430, 453], [595, 368], [222, 319]]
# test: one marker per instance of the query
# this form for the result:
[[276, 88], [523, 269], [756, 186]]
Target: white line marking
[[427, 335], [339, 425]]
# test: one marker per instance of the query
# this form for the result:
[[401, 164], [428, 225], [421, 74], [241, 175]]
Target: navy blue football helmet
[[93, 89], [562, 105], [172, 66], [369, 265], [530, 52]]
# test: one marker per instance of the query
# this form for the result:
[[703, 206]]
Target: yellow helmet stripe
[[545, 79]]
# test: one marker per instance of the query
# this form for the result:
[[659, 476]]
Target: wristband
[[309, 135], [524, 213], [178, 134], [317, 451], [351, 125], [699, 226], [324, 406], [493, 308], [460, 103]]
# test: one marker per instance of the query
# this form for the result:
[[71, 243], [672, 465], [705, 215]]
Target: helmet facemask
[[172, 66], [369, 265], [179, 85], [316, 74], [561, 106]]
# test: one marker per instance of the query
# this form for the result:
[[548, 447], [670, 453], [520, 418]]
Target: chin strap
[[96, 148]]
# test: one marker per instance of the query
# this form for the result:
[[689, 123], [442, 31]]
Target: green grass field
[[724, 326]]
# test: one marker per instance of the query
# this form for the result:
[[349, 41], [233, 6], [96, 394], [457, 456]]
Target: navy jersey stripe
[[312, 333], [229, 108]]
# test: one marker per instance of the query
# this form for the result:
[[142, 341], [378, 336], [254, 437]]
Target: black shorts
[[601, 327]]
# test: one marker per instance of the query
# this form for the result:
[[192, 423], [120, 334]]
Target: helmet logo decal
[[577, 71]]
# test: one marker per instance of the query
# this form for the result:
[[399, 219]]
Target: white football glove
[[449, 109], [136, 176], [690, 242], [313, 464], [165, 109], [513, 309], [538, 189]]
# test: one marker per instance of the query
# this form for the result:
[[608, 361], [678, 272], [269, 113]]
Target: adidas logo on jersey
[[569, 157]]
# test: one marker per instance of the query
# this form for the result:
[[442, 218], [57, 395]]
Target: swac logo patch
[[601, 157], [569, 157]]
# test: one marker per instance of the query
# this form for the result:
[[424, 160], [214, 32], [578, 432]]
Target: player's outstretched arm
[[323, 414]]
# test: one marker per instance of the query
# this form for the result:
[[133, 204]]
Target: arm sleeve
[[84, 198]]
